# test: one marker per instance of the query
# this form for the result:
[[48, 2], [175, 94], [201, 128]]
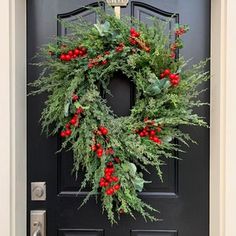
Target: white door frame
[[13, 118]]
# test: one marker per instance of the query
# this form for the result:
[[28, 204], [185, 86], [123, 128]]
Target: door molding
[[13, 118]]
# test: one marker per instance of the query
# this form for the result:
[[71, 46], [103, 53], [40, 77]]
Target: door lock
[[38, 223], [38, 191]]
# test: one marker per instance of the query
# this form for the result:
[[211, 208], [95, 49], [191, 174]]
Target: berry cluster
[[134, 40], [150, 131], [98, 149], [72, 54], [120, 47], [102, 130], [174, 78], [181, 30], [109, 180], [178, 43], [99, 60], [133, 34], [74, 120]]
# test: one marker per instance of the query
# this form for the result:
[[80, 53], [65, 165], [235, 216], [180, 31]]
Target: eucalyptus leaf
[[139, 183], [167, 139], [102, 28], [66, 109], [153, 90], [132, 169]]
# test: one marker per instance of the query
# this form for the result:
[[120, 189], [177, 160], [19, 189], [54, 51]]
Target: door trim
[[13, 118]]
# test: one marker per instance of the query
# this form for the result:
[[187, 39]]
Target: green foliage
[[157, 103]]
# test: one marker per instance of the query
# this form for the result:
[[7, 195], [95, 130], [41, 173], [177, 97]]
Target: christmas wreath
[[115, 151]]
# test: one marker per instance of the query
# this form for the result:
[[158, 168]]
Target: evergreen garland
[[114, 151]]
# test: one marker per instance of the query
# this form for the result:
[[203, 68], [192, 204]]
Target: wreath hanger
[[117, 4]]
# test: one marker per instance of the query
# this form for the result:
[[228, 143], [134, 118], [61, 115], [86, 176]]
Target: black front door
[[183, 197]]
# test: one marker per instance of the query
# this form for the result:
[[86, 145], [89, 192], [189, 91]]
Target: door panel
[[183, 196]]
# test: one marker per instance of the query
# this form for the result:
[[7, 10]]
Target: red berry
[[141, 134], [152, 132], [109, 179], [98, 145], [63, 57], [79, 110], [76, 51], [99, 152], [111, 151], [84, 50], [155, 139], [117, 160], [67, 126], [104, 62], [167, 72], [90, 65], [110, 164], [107, 53], [172, 76], [109, 191], [75, 98], [68, 57], [177, 77], [70, 53], [151, 138], [137, 34], [63, 134], [117, 187], [107, 173], [162, 75], [103, 130], [68, 132], [132, 41], [120, 47], [115, 178], [73, 121], [94, 148], [106, 184], [132, 30]]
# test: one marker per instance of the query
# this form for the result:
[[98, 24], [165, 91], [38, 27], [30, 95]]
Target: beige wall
[[13, 107], [5, 121], [12, 118]]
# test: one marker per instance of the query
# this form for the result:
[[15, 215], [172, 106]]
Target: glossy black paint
[[183, 197]]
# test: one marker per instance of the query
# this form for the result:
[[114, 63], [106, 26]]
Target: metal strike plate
[[38, 191], [38, 223], [117, 3]]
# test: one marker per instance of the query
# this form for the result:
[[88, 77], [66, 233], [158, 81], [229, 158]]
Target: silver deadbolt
[[38, 191], [38, 223]]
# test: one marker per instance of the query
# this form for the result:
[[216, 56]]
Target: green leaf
[[167, 139], [167, 84], [154, 89], [139, 183], [66, 109], [132, 169], [102, 28]]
